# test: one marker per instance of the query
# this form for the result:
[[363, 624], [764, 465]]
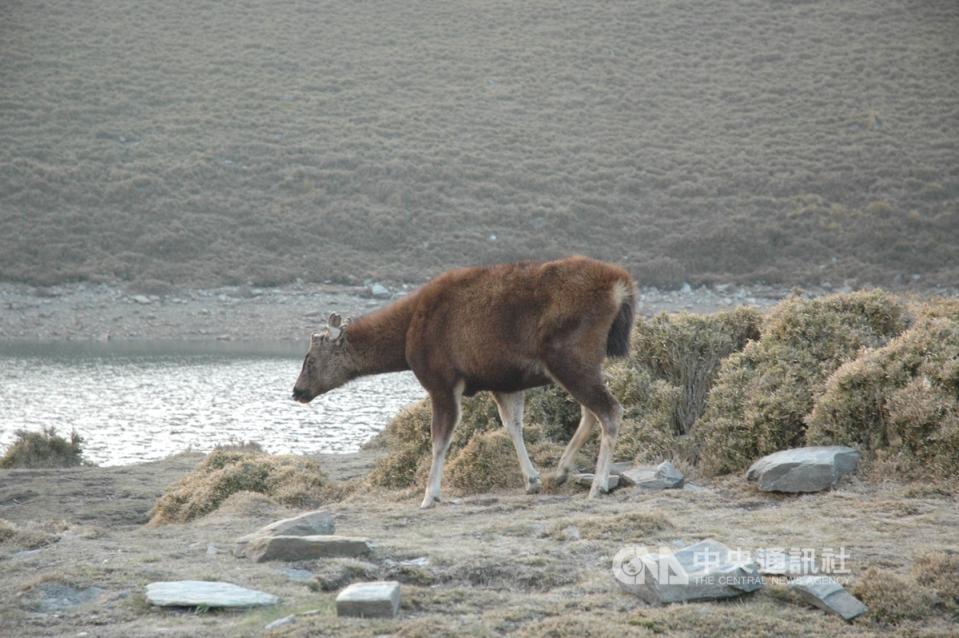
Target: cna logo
[[633, 564]]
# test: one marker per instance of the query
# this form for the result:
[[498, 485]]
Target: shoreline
[[289, 314]]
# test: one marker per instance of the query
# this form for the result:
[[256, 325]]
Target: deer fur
[[502, 329]]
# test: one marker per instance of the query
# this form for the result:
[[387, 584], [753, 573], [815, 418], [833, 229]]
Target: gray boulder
[[202, 593], [804, 469], [265, 548], [664, 476], [377, 599], [827, 594], [707, 570], [309, 524], [586, 480]]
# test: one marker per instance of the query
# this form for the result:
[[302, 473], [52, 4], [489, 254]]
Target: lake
[[135, 401]]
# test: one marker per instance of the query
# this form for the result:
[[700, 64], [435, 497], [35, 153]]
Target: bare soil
[[496, 564]]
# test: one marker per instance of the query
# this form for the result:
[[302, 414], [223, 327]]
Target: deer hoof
[[597, 490], [429, 502], [557, 478], [533, 485]]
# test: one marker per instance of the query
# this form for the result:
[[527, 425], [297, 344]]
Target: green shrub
[[43, 449], [292, 480], [763, 393], [898, 403]]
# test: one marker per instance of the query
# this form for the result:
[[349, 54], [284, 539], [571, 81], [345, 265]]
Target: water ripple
[[139, 404]]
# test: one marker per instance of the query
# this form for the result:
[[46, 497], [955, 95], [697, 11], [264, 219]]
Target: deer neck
[[377, 341]]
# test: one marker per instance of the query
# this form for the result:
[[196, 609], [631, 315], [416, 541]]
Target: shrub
[[899, 403], [763, 393], [43, 449], [486, 462], [686, 350], [648, 431], [291, 480]]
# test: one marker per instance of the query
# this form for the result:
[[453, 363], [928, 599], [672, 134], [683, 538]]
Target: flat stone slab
[[376, 599], [664, 476], [265, 548], [707, 570], [586, 480], [203, 593], [824, 592], [316, 523], [804, 469]]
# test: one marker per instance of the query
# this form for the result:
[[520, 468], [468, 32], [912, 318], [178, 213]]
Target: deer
[[503, 329]]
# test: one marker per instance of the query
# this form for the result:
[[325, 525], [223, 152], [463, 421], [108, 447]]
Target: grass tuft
[[287, 479]]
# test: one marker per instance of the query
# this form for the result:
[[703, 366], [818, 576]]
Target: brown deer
[[504, 329]]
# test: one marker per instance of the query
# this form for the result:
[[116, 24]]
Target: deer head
[[327, 364]]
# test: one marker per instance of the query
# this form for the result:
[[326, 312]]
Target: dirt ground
[[496, 564]]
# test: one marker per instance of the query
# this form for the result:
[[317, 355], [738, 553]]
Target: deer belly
[[512, 379]]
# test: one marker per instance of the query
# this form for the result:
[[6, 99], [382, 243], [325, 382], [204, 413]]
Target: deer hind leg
[[510, 407], [585, 383], [583, 430], [446, 413]]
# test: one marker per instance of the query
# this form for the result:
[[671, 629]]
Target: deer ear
[[334, 320]]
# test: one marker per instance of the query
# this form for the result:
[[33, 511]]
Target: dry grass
[[44, 448], [291, 480], [795, 142]]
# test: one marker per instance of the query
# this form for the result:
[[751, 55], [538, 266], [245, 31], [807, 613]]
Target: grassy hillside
[[201, 142]]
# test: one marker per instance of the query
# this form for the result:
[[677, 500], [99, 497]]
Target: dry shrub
[[648, 432], [898, 403], [407, 437], [686, 350], [487, 462], [43, 449], [763, 393], [891, 598], [290, 480]]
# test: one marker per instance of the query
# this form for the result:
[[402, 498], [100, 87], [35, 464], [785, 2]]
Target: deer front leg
[[510, 407], [446, 412]]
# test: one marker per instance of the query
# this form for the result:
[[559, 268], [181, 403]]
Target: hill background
[[202, 143]]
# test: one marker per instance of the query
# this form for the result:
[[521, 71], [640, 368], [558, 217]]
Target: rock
[[265, 548], [618, 467], [586, 480], [377, 599], [707, 570], [315, 523], [804, 469], [824, 592], [141, 299], [379, 291], [664, 476], [279, 622], [201, 593]]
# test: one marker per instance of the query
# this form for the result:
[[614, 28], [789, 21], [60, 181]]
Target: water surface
[[139, 401]]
